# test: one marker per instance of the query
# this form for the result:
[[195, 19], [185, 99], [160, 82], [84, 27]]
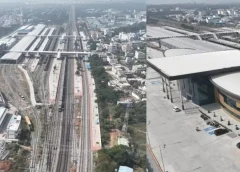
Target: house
[[140, 56], [125, 169]]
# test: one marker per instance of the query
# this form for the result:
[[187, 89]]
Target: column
[[180, 91], [166, 88], [170, 91]]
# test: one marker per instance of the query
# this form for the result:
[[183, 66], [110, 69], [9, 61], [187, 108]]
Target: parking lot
[[183, 149]]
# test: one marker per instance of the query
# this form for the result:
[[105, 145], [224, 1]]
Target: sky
[[191, 1], [85, 1]]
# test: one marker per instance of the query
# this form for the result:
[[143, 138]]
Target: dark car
[[204, 117], [220, 131], [238, 145]]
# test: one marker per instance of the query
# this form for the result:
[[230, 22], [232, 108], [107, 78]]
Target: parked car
[[238, 145], [220, 131], [176, 109]]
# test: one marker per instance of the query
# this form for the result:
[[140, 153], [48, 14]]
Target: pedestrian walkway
[[77, 81], [34, 64], [54, 79], [30, 85], [95, 122]]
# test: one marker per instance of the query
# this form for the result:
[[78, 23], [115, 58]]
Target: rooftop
[[125, 169], [23, 44], [2, 111], [178, 67], [14, 123]]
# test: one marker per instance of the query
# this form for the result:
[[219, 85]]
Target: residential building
[[112, 60], [13, 127], [213, 19], [140, 56], [139, 68], [123, 141], [125, 169], [3, 113]]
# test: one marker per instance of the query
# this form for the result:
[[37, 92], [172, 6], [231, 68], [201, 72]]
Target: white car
[[176, 109]]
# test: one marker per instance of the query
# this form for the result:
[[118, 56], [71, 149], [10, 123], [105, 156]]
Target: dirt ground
[[113, 139], [5, 165]]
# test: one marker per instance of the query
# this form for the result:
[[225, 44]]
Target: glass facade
[[200, 90], [232, 103]]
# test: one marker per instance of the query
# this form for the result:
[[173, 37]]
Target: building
[[125, 103], [128, 60], [139, 68], [117, 70], [25, 43], [207, 79], [213, 19], [230, 12], [140, 56], [127, 48], [222, 12], [2, 101], [123, 141], [3, 113], [112, 60], [138, 95], [13, 127], [125, 169]]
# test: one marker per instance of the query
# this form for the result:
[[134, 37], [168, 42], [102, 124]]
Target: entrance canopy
[[186, 66]]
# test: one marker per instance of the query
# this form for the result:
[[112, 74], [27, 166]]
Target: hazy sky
[[191, 1], [84, 1]]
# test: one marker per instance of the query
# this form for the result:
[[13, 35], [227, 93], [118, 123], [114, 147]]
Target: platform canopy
[[186, 66]]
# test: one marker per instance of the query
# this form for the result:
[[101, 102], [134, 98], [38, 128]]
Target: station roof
[[23, 44], [228, 82], [211, 63]]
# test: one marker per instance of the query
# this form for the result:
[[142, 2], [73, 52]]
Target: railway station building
[[204, 78]]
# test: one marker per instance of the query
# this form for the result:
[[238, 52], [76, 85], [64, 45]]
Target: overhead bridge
[[199, 36]]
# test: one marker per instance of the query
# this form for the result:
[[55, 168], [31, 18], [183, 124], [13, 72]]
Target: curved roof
[[229, 82]]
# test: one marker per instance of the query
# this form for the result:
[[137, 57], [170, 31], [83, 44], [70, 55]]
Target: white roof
[[42, 47], [2, 111], [23, 44], [177, 66], [14, 123], [229, 82], [38, 40], [125, 169], [184, 42], [11, 56]]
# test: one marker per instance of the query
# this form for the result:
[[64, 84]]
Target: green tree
[[105, 163]]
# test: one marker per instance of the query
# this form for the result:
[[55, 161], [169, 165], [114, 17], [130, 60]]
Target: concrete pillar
[[159, 43], [37, 55], [215, 36], [199, 37], [163, 85], [166, 88], [170, 91], [27, 54], [180, 91]]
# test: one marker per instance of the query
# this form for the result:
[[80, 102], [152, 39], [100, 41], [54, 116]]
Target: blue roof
[[88, 66], [125, 169]]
